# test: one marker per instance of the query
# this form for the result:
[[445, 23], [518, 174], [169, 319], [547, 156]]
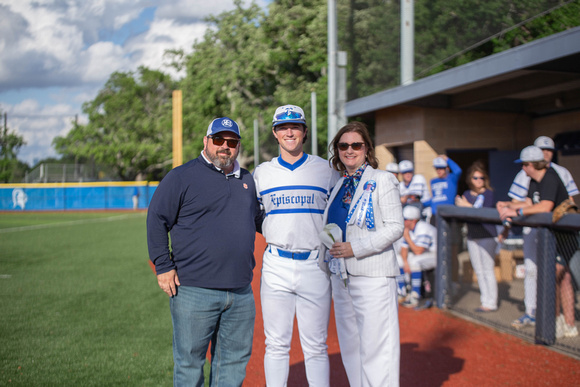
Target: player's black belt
[[292, 255]]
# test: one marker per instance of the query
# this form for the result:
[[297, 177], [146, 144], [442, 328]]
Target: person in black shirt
[[545, 193]]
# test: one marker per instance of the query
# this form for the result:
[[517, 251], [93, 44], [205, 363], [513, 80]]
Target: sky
[[57, 54]]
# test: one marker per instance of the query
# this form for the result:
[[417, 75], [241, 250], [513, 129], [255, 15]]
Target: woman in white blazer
[[365, 204]]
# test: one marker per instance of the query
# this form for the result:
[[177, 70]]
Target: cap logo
[[227, 123]]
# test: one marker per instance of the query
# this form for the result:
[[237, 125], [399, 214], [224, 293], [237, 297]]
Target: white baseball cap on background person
[[544, 142], [223, 124], [392, 167], [530, 154], [288, 114], [411, 212], [439, 162], [406, 166]]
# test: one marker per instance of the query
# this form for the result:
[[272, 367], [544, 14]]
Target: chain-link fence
[[526, 284], [61, 173]]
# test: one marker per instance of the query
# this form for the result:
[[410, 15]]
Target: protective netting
[[531, 276]]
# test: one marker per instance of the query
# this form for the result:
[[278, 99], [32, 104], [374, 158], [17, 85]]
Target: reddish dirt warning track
[[437, 349]]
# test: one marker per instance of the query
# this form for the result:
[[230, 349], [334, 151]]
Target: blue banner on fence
[[78, 196]]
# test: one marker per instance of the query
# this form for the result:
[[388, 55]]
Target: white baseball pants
[[291, 287]]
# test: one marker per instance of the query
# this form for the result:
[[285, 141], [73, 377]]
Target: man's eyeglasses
[[478, 178], [355, 145], [219, 141], [289, 115]]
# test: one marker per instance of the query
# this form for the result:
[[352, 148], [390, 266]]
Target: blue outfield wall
[[75, 196]]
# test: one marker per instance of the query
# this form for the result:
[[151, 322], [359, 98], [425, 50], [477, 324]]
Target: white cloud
[[59, 45], [38, 125]]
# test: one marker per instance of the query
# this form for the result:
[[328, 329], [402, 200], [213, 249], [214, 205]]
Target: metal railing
[[457, 288]]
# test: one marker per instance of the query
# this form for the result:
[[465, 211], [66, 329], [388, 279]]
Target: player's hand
[[168, 282], [500, 205], [507, 213]]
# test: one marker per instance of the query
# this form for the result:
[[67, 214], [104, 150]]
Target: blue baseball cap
[[223, 124]]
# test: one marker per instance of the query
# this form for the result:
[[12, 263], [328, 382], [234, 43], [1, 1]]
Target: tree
[[129, 126], [250, 62], [10, 143]]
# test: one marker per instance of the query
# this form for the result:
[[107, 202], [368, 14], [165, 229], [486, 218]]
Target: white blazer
[[373, 249]]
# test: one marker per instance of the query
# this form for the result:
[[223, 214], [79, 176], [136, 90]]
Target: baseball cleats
[[411, 301], [525, 320]]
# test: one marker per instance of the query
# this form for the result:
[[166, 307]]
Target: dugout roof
[[538, 78]]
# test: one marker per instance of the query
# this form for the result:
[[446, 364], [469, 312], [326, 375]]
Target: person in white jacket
[[363, 267]]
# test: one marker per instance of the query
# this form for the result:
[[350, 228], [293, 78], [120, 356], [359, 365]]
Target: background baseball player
[[413, 186], [293, 190], [418, 252], [518, 192]]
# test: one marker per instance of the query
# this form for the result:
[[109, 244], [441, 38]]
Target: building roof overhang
[[538, 78]]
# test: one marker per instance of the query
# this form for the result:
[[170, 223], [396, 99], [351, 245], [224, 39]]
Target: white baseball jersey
[[294, 197], [521, 183], [424, 235], [418, 186]]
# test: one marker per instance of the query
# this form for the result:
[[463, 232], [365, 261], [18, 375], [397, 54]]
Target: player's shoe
[[411, 301], [525, 320], [570, 331]]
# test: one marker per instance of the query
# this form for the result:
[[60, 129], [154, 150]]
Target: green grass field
[[79, 303]]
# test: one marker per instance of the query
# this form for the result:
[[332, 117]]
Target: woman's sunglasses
[[478, 178], [218, 141], [355, 145]]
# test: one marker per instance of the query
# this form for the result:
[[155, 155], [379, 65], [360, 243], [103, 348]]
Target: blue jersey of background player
[[444, 186]]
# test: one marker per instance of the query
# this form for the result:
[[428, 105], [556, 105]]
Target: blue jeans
[[223, 317]]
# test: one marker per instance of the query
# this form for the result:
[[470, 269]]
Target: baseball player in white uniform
[[414, 187], [518, 192], [418, 252], [293, 190], [393, 168]]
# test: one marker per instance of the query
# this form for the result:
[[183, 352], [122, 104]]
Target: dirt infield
[[437, 349]]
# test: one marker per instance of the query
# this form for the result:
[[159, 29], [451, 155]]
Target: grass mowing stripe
[[68, 223], [80, 306]]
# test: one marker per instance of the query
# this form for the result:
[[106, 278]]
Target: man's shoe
[[570, 331], [525, 320], [426, 305]]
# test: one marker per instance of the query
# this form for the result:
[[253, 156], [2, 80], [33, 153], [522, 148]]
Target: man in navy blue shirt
[[209, 208]]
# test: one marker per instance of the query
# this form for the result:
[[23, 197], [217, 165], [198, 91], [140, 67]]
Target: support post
[[546, 290], [443, 278], [313, 124], [177, 129]]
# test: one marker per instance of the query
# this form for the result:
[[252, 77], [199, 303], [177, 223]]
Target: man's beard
[[222, 159]]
